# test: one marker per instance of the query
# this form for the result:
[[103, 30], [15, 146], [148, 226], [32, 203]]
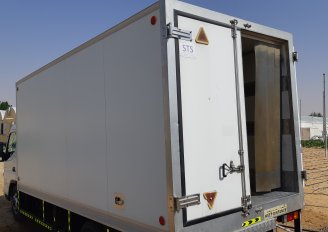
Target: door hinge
[[245, 200], [177, 33], [178, 203], [234, 23], [246, 203]]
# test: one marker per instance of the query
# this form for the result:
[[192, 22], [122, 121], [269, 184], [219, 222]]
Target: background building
[[7, 118], [311, 127]]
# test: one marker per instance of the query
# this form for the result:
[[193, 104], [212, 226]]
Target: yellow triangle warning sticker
[[210, 198], [202, 37]]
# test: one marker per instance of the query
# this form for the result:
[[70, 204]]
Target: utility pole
[[300, 118], [324, 114], [300, 108]]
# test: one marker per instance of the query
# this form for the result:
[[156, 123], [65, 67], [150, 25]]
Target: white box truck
[[177, 119]]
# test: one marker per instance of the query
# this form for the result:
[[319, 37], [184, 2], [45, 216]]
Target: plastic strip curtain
[[267, 118]]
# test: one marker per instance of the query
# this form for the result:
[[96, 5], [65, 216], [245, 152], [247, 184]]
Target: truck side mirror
[[2, 152]]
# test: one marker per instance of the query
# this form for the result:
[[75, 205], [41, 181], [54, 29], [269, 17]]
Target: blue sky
[[35, 32]]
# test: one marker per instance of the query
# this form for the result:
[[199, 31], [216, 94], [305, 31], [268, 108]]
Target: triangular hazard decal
[[202, 37], [210, 198]]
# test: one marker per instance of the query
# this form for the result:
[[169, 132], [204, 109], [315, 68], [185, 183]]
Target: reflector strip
[[202, 37], [69, 220], [43, 210], [35, 219], [252, 221]]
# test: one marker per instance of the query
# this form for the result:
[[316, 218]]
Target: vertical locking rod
[[245, 200]]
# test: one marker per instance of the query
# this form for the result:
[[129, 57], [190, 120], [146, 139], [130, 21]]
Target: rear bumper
[[263, 226]]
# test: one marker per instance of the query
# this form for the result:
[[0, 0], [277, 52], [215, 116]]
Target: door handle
[[14, 169], [226, 169]]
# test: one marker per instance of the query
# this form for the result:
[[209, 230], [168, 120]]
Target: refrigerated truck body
[[177, 119]]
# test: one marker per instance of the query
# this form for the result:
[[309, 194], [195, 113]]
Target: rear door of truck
[[208, 120]]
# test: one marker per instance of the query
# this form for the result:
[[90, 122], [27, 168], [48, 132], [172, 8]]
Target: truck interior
[[269, 118]]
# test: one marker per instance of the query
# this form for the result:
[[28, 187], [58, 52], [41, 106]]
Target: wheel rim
[[14, 203]]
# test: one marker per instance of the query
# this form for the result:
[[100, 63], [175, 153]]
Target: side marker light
[[153, 20], [161, 220]]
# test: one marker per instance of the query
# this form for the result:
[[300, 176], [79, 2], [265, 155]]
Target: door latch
[[226, 169]]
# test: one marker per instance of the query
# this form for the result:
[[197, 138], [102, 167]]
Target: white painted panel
[[85, 127], [92, 125], [209, 118], [134, 105], [41, 133], [62, 130]]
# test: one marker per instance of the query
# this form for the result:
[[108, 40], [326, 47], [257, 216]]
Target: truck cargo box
[[178, 119]]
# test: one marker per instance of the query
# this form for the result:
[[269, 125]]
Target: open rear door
[[209, 121]]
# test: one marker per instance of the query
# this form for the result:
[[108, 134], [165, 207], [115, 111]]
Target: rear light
[[289, 217], [292, 216]]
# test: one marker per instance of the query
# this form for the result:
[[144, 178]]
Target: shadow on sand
[[9, 224]]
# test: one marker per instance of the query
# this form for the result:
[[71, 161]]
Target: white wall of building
[[311, 126]]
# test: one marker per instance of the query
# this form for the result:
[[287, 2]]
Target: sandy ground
[[7, 222], [315, 213]]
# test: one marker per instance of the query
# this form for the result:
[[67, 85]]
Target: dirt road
[[315, 213]]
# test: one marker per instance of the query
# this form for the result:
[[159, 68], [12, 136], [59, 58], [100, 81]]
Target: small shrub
[[313, 143]]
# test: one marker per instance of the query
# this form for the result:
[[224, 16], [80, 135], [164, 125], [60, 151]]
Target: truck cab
[[9, 158]]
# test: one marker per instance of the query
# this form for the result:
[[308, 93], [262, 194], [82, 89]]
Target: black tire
[[90, 226], [14, 203]]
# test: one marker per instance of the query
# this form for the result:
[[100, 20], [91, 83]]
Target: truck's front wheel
[[14, 203]]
